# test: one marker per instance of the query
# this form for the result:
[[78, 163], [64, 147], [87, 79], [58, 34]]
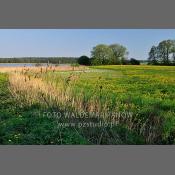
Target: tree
[[112, 54], [84, 60], [163, 54], [134, 61], [102, 54], [120, 53], [165, 48], [173, 54], [153, 55]]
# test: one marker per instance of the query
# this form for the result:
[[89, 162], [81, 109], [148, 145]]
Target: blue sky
[[77, 42]]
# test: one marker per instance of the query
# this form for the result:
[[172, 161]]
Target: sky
[[77, 42]]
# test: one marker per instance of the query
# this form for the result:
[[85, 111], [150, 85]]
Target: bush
[[84, 60], [134, 62]]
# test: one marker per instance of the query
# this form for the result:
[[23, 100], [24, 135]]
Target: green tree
[[133, 61], [163, 54], [173, 53], [166, 49], [84, 60], [102, 54], [120, 53], [153, 55]]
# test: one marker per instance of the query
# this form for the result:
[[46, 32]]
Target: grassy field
[[132, 105], [24, 125]]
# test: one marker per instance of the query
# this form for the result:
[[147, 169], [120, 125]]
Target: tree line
[[163, 54], [114, 54], [53, 60]]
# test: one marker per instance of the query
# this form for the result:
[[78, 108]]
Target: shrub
[[84, 60], [134, 62]]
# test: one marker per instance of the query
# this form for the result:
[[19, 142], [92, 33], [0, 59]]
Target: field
[[106, 105]]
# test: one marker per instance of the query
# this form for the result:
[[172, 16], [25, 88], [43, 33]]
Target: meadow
[[120, 105]]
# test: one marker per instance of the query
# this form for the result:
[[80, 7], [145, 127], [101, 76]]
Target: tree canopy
[[108, 54], [84, 60], [54, 60], [163, 54], [133, 61]]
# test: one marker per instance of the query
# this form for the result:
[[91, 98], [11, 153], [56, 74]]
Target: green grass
[[25, 125], [146, 91]]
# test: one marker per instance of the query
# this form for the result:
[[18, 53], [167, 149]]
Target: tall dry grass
[[32, 89]]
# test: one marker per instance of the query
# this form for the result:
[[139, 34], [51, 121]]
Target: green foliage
[[53, 60], [163, 54], [113, 54], [134, 61], [120, 53], [84, 60], [102, 54]]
